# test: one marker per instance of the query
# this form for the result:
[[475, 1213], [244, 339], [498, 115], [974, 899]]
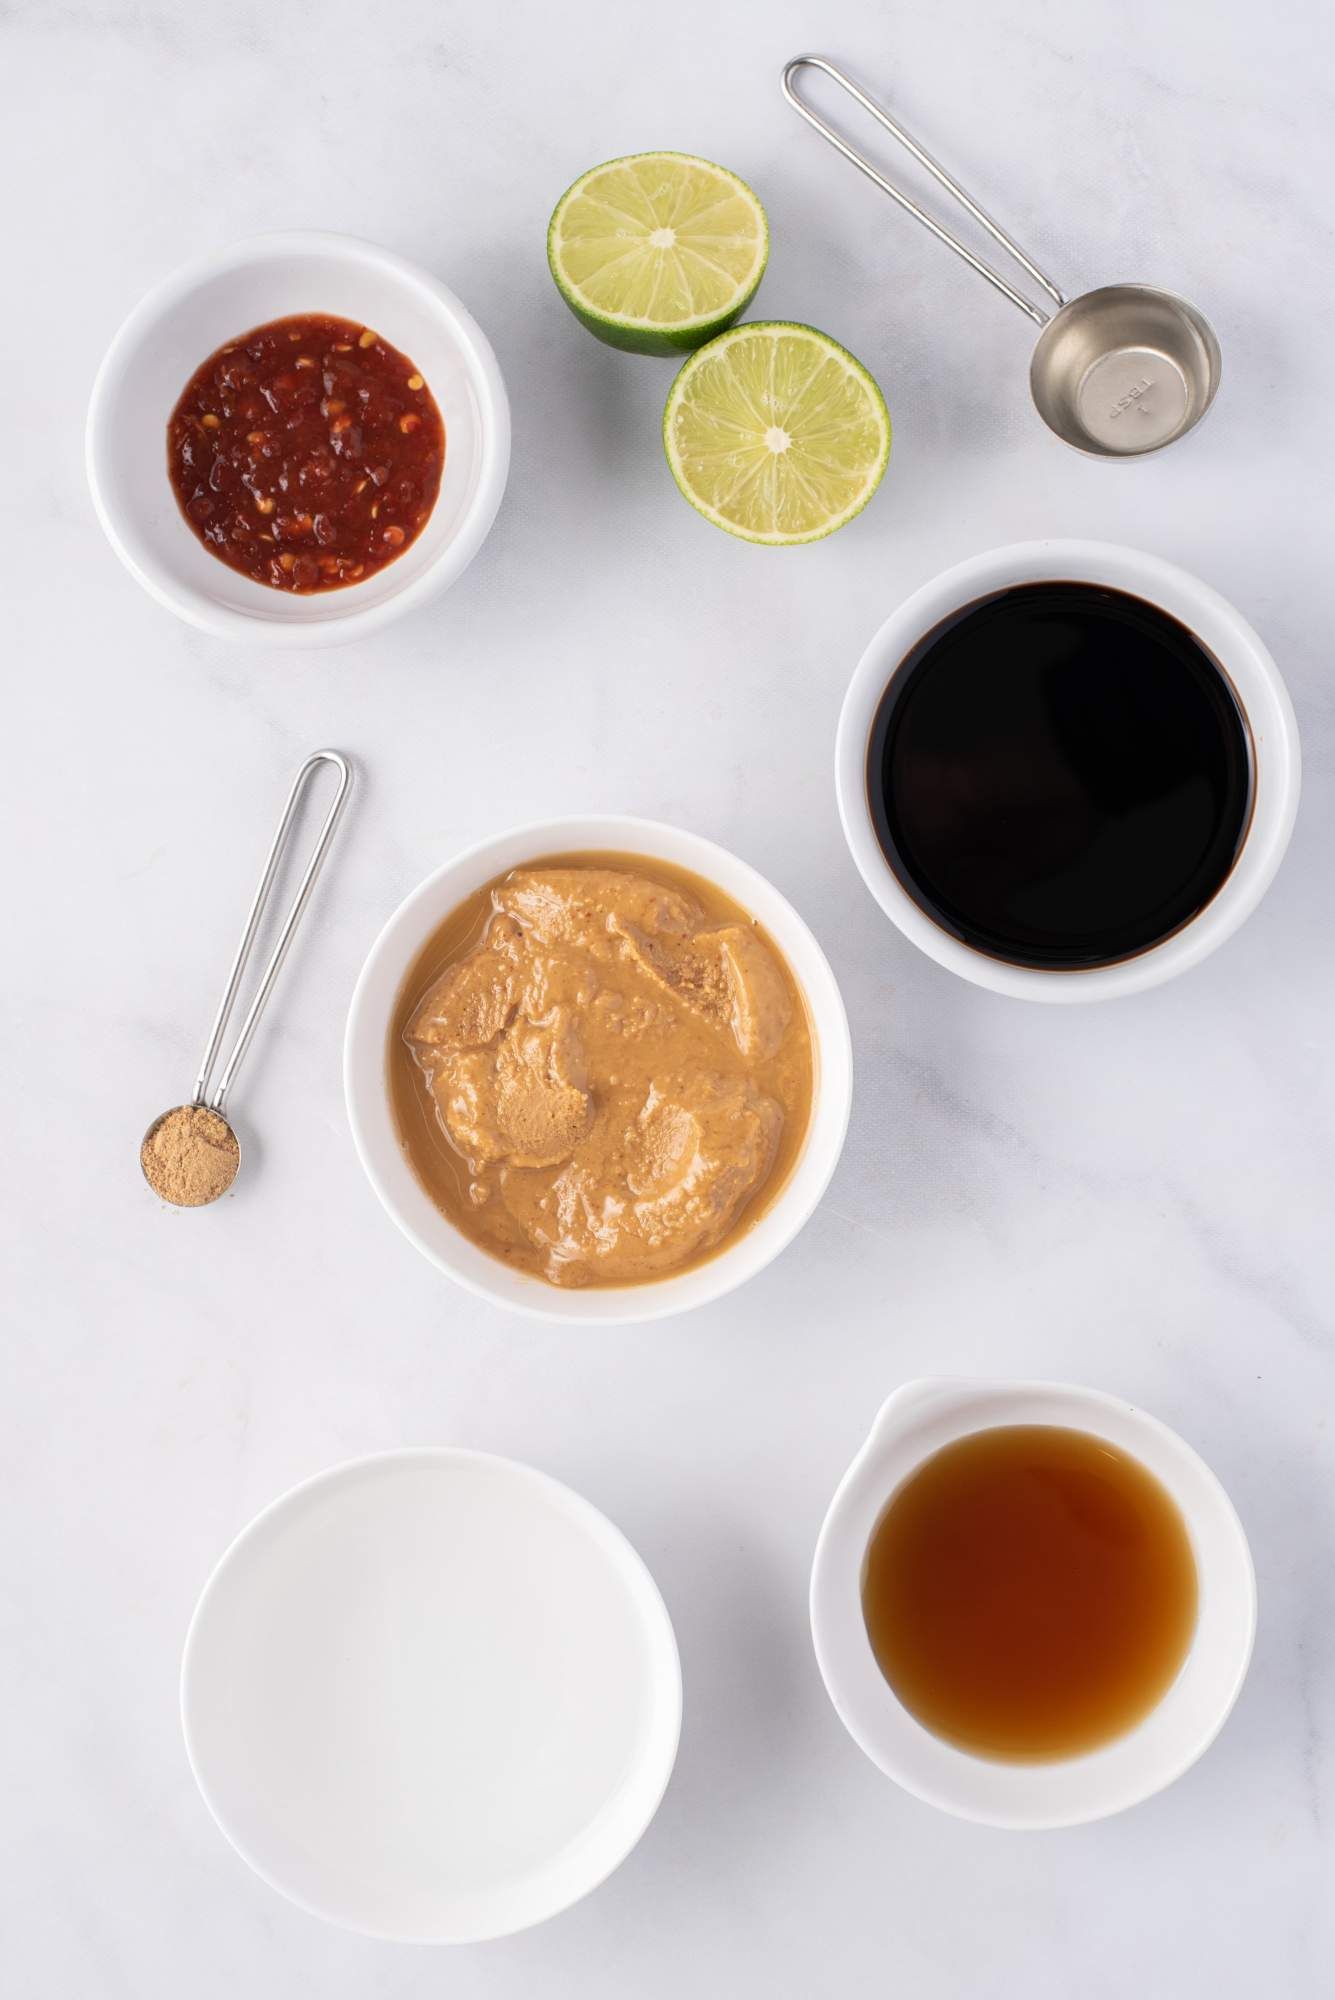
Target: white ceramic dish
[[916, 1422], [1236, 648], [196, 310], [377, 1141], [432, 1696]]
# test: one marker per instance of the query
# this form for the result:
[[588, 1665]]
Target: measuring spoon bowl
[[227, 1166], [1124, 370]]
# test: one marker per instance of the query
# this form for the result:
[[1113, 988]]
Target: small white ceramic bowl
[[917, 1421], [431, 1696], [1237, 650], [377, 1141], [182, 321]]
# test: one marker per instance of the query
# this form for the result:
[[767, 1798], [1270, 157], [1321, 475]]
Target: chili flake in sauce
[[306, 454]]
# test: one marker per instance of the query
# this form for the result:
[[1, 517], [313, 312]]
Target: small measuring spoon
[[1117, 372], [201, 1122]]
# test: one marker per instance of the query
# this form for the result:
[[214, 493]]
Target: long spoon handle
[[1036, 313], [257, 909]]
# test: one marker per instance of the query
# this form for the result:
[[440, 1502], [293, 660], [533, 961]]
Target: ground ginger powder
[[190, 1156]]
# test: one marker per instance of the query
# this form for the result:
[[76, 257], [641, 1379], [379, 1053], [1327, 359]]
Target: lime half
[[776, 433], [657, 252]]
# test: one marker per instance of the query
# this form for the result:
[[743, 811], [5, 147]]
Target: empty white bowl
[[432, 1696], [1235, 648], [365, 1057], [193, 312], [917, 1421]]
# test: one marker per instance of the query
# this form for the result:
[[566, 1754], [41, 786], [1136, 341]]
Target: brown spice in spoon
[[190, 1156]]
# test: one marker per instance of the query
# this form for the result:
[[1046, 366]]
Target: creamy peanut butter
[[601, 1069]]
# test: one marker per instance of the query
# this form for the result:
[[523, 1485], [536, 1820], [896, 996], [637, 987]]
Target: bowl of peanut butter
[[598, 1069]]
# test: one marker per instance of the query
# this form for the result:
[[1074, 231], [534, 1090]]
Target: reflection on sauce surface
[[1030, 1592], [600, 1069]]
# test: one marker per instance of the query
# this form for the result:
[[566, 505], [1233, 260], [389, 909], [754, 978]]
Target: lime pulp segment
[[659, 251], [775, 433]]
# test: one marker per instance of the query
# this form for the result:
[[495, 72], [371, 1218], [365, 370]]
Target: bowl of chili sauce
[[294, 440]]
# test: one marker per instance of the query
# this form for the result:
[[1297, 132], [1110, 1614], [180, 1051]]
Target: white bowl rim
[[1227, 636], [336, 626], [640, 1582], [808, 1177], [915, 1422]]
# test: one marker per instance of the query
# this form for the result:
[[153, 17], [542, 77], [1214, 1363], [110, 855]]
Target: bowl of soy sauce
[[1067, 770]]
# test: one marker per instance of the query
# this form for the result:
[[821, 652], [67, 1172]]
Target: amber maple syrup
[[1030, 1592]]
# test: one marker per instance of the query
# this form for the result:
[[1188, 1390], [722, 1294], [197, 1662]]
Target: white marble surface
[[1138, 1197]]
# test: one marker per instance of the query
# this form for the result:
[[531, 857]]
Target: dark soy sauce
[[1060, 775]]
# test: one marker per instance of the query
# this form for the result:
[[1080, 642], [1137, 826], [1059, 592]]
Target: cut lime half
[[776, 433], [658, 252]]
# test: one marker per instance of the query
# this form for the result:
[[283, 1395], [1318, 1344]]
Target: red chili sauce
[[306, 454]]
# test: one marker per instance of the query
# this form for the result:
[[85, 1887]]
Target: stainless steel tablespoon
[[1117, 372]]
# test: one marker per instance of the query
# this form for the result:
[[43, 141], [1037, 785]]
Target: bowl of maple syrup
[[1032, 1604]]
